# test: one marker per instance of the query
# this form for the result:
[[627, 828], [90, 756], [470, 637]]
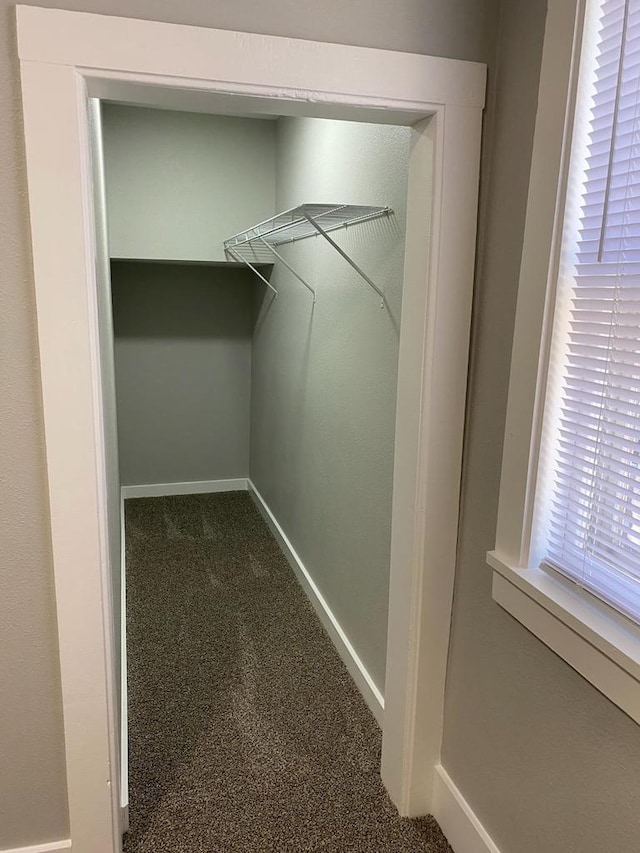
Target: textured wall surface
[[32, 775], [183, 371], [178, 184], [168, 194], [324, 376], [546, 761]]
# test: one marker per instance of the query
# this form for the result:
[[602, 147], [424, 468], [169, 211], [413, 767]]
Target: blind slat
[[591, 434]]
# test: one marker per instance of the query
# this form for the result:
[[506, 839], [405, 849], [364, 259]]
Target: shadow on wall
[[356, 242], [158, 300]]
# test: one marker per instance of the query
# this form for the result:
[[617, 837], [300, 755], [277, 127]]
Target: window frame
[[596, 640]]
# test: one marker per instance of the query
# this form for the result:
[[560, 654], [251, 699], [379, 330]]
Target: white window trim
[[592, 637]]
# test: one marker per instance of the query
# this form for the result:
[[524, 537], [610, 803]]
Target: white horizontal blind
[[591, 437]]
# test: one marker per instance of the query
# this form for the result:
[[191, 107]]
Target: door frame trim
[[66, 58]]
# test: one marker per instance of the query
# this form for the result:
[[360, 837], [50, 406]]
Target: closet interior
[[256, 290]]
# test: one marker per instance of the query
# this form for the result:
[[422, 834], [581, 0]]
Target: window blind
[[591, 437]]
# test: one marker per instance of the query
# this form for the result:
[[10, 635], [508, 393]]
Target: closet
[[256, 279]]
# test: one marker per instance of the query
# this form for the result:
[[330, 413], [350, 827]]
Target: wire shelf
[[258, 243], [297, 223]]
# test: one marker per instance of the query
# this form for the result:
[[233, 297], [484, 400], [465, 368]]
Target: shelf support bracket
[[244, 261], [349, 260], [287, 265]]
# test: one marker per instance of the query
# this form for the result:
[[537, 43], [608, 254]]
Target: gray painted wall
[[183, 371], [547, 762], [168, 197], [178, 184], [324, 376]]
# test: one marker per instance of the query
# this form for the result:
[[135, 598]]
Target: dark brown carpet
[[246, 732]]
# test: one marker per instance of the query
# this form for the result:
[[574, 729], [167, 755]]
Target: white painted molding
[[460, 824], [365, 684], [124, 702], [67, 57], [109, 44], [51, 847], [124, 814], [196, 487], [432, 369], [600, 644]]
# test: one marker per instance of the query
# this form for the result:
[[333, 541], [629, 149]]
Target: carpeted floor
[[246, 732]]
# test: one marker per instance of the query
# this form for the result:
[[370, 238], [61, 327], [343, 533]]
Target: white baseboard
[[196, 487], [457, 819], [52, 847], [372, 696]]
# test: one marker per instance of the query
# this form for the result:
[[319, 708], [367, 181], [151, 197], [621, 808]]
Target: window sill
[[588, 635]]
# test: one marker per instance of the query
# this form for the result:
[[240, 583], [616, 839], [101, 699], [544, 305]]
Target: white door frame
[[67, 57]]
